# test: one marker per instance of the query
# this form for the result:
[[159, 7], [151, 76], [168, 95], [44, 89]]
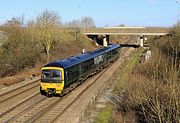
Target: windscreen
[[53, 76]]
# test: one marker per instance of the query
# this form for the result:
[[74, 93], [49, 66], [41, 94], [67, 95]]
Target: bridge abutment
[[100, 39], [94, 38]]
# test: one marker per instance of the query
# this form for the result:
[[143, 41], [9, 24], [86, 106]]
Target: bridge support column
[[105, 40], [141, 40]]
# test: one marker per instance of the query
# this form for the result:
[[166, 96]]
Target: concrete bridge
[[142, 32]]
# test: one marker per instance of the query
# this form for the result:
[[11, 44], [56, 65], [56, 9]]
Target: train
[[61, 76]]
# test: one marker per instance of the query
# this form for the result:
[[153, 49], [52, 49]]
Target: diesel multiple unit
[[60, 77]]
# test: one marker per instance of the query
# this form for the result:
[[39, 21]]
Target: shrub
[[19, 50], [153, 91]]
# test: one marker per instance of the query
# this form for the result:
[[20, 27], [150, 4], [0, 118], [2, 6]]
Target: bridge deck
[[126, 31]]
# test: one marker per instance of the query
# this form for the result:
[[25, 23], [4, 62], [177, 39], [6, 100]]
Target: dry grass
[[153, 90], [104, 116]]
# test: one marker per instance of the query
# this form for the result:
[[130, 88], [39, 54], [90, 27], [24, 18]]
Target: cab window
[[51, 76], [46, 74], [56, 74]]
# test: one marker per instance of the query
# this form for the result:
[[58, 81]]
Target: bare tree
[[121, 25], [74, 24], [47, 18], [87, 22], [15, 21], [48, 22]]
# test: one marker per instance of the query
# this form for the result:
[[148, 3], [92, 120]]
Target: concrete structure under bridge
[[142, 32]]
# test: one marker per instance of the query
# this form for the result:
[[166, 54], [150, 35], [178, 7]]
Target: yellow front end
[[53, 87]]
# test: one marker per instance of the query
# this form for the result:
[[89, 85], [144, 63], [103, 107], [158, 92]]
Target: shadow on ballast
[[130, 45]]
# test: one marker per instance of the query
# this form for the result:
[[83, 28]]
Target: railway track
[[17, 90], [9, 103], [57, 106], [46, 109], [21, 107], [37, 108], [75, 111], [16, 95], [52, 114]]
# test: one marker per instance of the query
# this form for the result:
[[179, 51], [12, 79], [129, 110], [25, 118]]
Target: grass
[[129, 66], [105, 115]]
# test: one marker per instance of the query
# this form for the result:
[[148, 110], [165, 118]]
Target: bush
[[153, 91], [19, 50], [23, 47]]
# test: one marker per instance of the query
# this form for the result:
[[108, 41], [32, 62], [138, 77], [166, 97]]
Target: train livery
[[61, 76]]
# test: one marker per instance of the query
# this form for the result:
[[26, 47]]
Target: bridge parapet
[[127, 31]]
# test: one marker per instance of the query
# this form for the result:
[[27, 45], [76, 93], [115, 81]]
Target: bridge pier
[[141, 40], [105, 40]]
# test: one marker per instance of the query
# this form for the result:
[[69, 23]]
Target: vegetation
[[153, 90], [47, 26], [18, 50], [85, 22], [104, 115], [127, 68], [39, 41]]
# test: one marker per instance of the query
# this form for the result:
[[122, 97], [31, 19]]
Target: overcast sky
[[104, 12]]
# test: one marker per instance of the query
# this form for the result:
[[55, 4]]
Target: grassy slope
[[104, 116]]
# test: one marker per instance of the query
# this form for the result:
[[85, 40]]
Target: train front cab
[[52, 80]]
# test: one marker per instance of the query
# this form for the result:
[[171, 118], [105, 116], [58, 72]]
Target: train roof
[[70, 61]]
